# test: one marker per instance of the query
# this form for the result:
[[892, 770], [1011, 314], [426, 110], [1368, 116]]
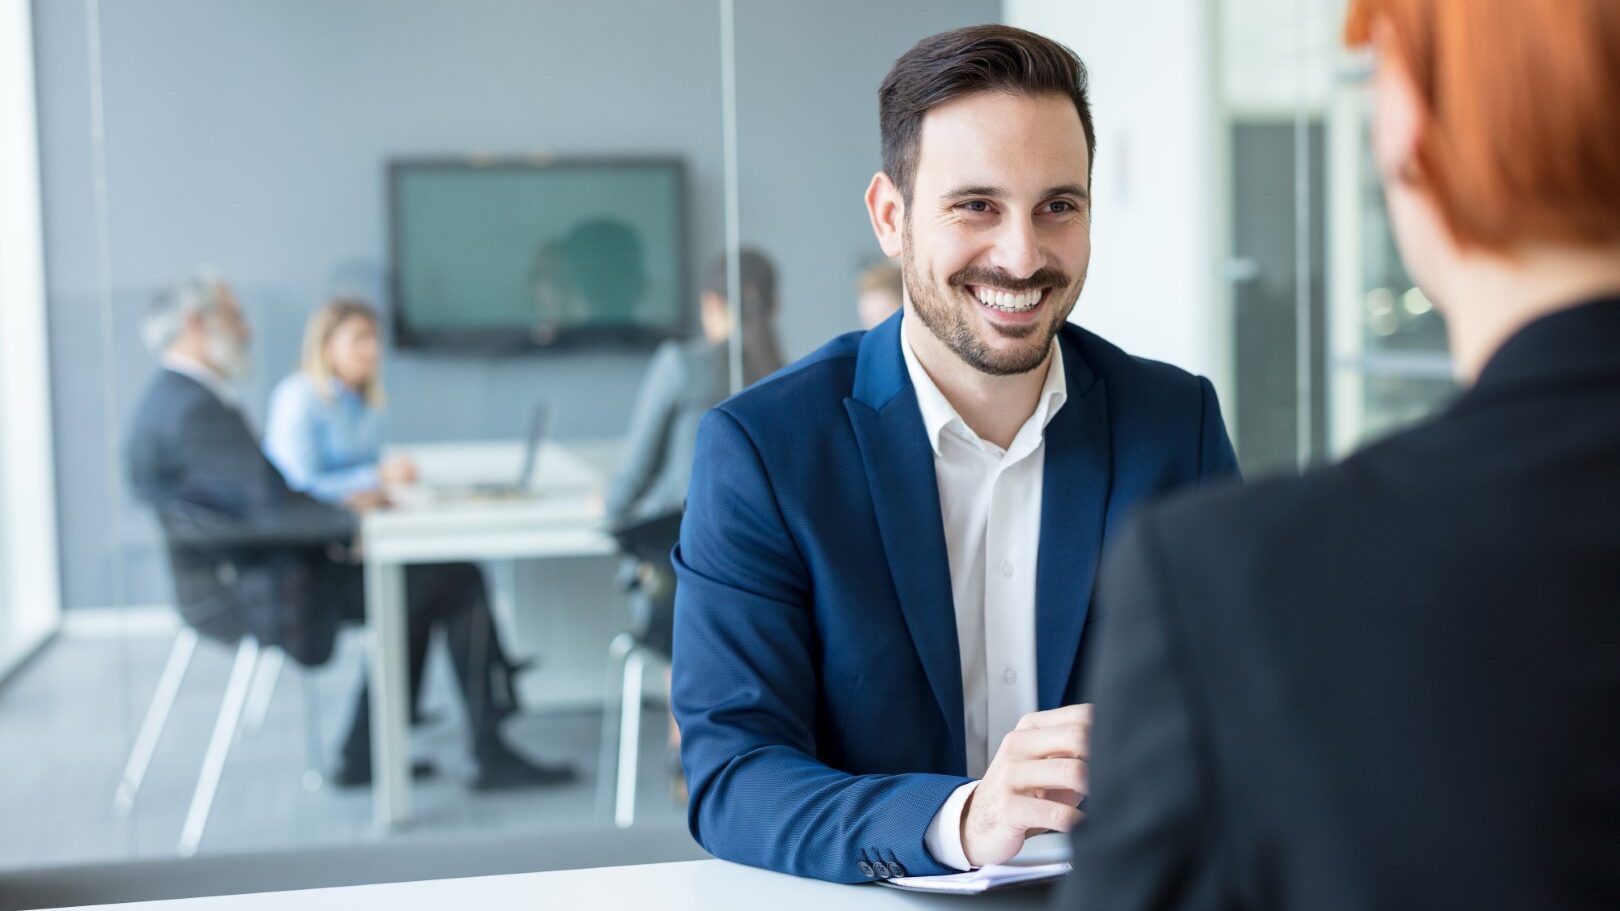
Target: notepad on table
[[984, 879]]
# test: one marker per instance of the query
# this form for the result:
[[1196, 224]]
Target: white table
[[561, 517], [699, 885]]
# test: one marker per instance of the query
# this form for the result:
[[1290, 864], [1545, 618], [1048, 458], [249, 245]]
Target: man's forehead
[[1009, 140]]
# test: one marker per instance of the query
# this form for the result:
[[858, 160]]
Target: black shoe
[[358, 774], [503, 770]]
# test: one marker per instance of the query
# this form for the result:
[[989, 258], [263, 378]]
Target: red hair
[[1522, 139]]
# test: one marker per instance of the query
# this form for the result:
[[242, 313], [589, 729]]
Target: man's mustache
[[997, 278]]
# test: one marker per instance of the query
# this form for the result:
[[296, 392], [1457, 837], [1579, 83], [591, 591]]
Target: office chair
[[646, 542], [205, 589], [254, 674]]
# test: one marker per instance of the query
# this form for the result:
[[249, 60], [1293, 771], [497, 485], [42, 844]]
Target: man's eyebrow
[[989, 192], [974, 190]]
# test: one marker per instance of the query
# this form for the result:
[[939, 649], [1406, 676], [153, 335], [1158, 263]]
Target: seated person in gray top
[[684, 380]]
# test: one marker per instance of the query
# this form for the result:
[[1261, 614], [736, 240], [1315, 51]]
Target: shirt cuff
[[944, 836]]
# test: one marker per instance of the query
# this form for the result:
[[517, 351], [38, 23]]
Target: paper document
[[984, 879]]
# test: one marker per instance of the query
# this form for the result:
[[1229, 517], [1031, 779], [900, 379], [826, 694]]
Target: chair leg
[[313, 777], [157, 716], [219, 745], [607, 764], [262, 690], [624, 805]]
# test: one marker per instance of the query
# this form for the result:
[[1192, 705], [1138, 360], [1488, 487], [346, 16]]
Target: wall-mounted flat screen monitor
[[527, 254]]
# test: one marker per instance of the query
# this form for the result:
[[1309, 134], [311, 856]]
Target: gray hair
[[166, 314]]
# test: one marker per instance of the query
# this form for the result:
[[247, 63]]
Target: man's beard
[[227, 355], [945, 312]]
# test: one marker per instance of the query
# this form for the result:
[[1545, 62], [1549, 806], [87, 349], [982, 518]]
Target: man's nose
[[1018, 250]]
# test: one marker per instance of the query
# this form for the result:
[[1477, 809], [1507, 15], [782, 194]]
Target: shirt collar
[[203, 374], [938, 414]]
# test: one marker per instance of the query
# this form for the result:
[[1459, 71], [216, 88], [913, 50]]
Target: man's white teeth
[[1008, 301]]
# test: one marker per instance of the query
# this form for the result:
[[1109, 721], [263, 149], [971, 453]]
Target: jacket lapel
[[905, 497], [1074, 502]]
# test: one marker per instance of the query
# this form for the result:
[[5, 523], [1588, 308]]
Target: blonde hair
[[317, 364], [882, 277]]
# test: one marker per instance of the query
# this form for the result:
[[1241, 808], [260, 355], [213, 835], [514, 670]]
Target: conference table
[[453, 516], [699, 885]]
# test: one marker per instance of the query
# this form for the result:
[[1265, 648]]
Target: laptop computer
[[539, 425]]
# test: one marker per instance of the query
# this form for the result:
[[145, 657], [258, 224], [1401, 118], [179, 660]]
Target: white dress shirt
[[990, 504]]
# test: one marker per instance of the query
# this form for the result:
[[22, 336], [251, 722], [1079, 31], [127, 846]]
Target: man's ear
[[888, 213], [1400, 115]]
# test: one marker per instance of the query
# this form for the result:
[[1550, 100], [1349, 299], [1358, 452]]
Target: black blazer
[[1393, 683], [248, 554]]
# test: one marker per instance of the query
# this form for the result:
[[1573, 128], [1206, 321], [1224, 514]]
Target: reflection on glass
[[1391, 403], [1396, 315], [1403, 321]]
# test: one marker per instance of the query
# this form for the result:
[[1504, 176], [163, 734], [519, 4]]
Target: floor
[[67, 720]]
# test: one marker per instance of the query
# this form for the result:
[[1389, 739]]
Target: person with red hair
[[1395, 682]]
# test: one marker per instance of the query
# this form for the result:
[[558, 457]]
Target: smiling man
[[886, 566]]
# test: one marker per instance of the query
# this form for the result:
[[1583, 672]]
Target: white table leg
[[390, 694]]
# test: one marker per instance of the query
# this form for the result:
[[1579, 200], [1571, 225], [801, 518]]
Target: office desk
[[698, 885], [561, 517]]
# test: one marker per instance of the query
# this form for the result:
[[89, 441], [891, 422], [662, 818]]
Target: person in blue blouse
[[325, 427], [324, 434]]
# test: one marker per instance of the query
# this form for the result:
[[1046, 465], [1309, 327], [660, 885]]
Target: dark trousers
[[446, 596]]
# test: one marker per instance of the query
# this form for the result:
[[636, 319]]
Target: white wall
[[1157, 226], [29, 600]]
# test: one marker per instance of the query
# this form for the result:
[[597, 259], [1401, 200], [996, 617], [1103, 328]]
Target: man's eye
[[1062, 206], [975, 205]]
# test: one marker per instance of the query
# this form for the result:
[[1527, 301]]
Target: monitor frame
[[509, 341]]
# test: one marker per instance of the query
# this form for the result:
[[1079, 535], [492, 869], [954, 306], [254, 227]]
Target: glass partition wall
[[526, 208], [536, 201]]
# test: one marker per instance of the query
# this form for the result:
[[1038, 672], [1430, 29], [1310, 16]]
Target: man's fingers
[[1068, 741], [1058, 717], [1068, 798], [1034, 813], [1026, 776]]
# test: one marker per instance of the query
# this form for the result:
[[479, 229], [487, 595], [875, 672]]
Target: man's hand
[[1032, 785]]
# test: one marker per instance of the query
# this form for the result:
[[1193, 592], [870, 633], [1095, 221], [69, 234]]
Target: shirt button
[[865, 868], [1009, 675], [1006, 567]]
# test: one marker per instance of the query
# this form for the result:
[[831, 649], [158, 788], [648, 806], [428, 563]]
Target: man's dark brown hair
[[979, 58]]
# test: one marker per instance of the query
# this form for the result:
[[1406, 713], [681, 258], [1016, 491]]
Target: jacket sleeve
[[1216, 458], [746, 693], [223, 492], [1148, 840]]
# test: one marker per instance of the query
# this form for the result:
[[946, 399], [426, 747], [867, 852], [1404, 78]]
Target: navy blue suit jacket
[[817, 681]]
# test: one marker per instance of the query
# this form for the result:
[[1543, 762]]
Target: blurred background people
[[250, 555], [684, 380], [880, 290], [687, 378], [324, 432], [1392, 683]]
